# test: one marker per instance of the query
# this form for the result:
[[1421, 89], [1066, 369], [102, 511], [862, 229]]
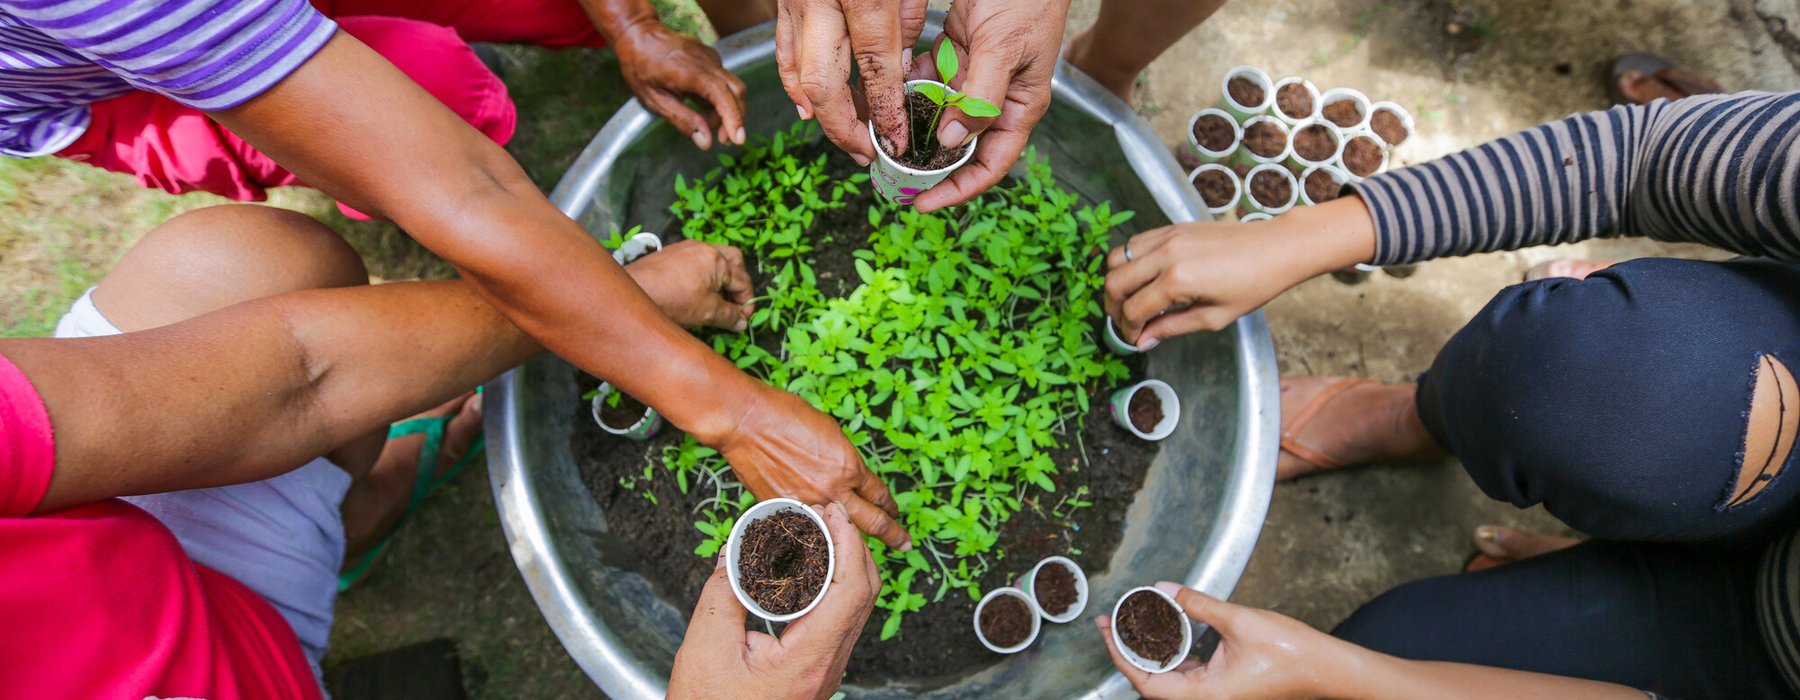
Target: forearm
[[1382, 677], [1710, 169], [616, 18]]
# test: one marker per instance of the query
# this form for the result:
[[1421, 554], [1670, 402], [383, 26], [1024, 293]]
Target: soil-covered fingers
[[912, 23], [875, 46], [823, 74]]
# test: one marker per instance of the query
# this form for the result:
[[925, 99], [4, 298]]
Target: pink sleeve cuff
[[27, 450]]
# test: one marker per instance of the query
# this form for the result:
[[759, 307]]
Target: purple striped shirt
[[59, 56]]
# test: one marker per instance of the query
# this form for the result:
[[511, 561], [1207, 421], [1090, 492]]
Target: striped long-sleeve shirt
[[1723, 170], [59, 56]]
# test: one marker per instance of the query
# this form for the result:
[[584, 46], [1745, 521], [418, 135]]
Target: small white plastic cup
[[1132, 657], [1246, 158], [1253, 218], [1251, 205], [1406, 120], [1029, 585], [1237, 188], [734, 547], [636, 247], [1386, 152], [1311, 91], [1116, 343], [899, 183], [1171, 408], [1037, 623], [1336, 95], [645, 427], [1207, 155], [1335, 172], [1242, 112], [1299, 162]]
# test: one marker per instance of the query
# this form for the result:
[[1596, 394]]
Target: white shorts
[[282, 537]]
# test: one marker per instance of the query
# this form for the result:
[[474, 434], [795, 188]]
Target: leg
[[178, 149], [729, 17], [548, 23], [1651, 401], [1659, 617], [1129, 34]]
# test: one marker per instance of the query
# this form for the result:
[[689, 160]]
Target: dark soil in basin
[[936, 644], [1054, 589], [1388, 126], [923, 152], [1294, 101], [1265, 139], [1322, 187], [1214, 132], [1006, 621], [1145, 410], [1246, 92], [782, 562], [1362, 156], [1270, 189], [1150, 626], [1216, 187], [1315, 143]]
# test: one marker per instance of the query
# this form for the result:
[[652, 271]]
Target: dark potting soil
[[923, 151], [1315, 143], [1214, 132], [1271, 189], [935, 644], [1054, 589], [1150, 626], [781, 563], [1345, 113], [1322, 187], [1388, 126], [1246, 92], [1216, 187], [1145, 410], [1362, 156], [1294, 101], [1265, 139], [626, 414], [1006, 621]]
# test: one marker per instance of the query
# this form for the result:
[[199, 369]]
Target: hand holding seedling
[[1204, 275], [664, 67], [718, 659], [969, 105], [816, 43], [1010, 49]]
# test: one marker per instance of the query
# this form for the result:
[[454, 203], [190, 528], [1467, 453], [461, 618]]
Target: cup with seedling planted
[[926, 162], [620, 414]]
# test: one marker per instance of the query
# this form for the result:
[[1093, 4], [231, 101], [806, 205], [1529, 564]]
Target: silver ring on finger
[[1127, 251]]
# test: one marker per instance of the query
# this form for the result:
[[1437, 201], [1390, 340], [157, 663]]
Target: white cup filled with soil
[[1322, 183], [1006, 621], [1345, 108], [1218, 186], [1213, 135], [1115, 342], [925, 162], [1364, 156], [1149, 409], [1314, 143], [1270, 189], [1391, 122], [1296, 100], [780, 559], [619, 413], [1151, 630], [1058, 588], [1266, 140], [1246, 92]]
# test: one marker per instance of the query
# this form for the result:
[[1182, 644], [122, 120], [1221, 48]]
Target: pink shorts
[[177, 149]]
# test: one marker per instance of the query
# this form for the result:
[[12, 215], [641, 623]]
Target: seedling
[[945, 97]]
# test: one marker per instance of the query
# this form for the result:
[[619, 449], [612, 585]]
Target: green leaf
[[932, 92], [891, 627], [977, 107], [946, 62]]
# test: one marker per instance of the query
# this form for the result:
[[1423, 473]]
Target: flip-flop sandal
[[1633, 65], [423, 485], [1290, 434]]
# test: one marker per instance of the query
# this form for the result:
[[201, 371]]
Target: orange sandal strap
[[1290, 434]]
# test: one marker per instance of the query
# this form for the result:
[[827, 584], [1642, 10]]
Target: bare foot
[[1502, 545], [1116, 79], [1564, 267], [1365, 423], [377, 500]]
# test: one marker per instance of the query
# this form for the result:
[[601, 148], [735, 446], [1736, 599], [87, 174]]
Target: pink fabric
[[100, 601]]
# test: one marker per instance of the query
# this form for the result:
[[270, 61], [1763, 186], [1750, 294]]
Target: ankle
[[1408, 440], [1116, 76]]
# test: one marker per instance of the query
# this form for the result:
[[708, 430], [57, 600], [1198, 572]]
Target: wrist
[[1332, 236]]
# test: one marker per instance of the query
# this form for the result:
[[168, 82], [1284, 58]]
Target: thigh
[[549, 23], [1622, 402], [1674, 620]]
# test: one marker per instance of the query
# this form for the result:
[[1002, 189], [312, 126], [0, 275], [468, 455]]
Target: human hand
[[719, 659], [1204, 275], [1007, 50], [663, 67], [816, 42], [1264, 655], [782, 446], [697, 284]]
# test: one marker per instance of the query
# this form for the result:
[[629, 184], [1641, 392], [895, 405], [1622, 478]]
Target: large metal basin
[[1196, 519]]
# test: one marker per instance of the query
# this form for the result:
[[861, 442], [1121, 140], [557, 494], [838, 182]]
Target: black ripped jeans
[[1620, 403]]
